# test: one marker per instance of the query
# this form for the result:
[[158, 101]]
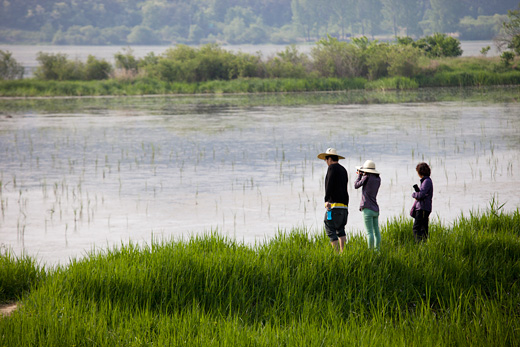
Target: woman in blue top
[[369, 179], [422, 206]]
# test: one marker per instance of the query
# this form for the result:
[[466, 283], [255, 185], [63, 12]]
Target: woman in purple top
[[369, 179], [422, 207]]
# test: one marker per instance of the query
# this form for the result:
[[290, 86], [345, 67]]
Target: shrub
[[126, 61], [10, 69], [515, 44], [245, 65], [210, 62], [97, 69], [507, 57], [404, 61], [149, 60], [288, 64], [485, 50], [332, 58], [58, 67], [375, 57], [437, 45]]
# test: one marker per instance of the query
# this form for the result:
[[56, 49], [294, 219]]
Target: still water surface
[[103, 172]]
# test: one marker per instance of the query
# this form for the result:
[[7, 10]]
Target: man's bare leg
[[342, 241], [339, 245]]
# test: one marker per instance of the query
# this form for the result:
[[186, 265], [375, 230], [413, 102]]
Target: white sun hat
[[368, 166], [329, 151]]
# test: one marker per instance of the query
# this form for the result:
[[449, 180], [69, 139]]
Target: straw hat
[[329, 151], [369, 166]]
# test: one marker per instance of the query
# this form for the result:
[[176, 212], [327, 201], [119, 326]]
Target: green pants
[[372, 224]]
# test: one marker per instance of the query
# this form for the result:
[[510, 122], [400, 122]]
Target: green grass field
[[461, 288], [149, 86]]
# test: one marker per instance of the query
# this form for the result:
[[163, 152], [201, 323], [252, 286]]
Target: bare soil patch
[[7, 309]]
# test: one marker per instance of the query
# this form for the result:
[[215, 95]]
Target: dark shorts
[[335, 228]]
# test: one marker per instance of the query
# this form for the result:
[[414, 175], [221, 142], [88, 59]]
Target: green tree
[[97, 69], [412, 13], [444, 15], [342, 13], [115, 35], [234, 32], [481, 28], [155, 14], [126, 60], [47, 32], [304, 15], [195, 34], [392, 12], [375, 57], [274, 13], [509, 37], [332, 58], [256, 33], [58, 67], [50, 65], [404, 61], [210, 62], [246, 14], [368, 15], [10, 69], [143, 35], [437, 45], [506, 58], [476, 8], [404, 14]]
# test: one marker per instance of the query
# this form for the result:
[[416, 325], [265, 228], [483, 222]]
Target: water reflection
[[87, 175]]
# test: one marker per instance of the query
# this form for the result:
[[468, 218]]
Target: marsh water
[[92, 173]]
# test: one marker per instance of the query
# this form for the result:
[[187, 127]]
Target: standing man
[[336, 199]]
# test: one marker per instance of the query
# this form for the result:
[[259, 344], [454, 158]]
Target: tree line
[[114, 22], [329, 58]]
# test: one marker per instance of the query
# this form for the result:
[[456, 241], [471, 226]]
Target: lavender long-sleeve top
[[370, 184], [425, 195]]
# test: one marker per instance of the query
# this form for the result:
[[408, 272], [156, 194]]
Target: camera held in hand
[[416, 188]]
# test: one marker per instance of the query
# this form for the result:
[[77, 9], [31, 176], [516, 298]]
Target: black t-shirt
[[336, 183]]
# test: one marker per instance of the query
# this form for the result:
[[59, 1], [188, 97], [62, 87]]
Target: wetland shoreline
[[86, 172], [494, 93], [145, 86], [82, 167], [458, 288]]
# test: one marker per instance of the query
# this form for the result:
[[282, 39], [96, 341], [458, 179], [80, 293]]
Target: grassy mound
[[17, 275], [150, 86], [459, 288]]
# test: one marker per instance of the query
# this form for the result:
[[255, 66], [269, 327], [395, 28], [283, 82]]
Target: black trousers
[[420, 225]]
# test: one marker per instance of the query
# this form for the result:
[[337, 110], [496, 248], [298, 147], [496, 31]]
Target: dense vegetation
[[116, 22], [17, 276], [460, 288], [333, 65]]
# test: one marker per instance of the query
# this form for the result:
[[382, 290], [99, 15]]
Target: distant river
[[26, 54]]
